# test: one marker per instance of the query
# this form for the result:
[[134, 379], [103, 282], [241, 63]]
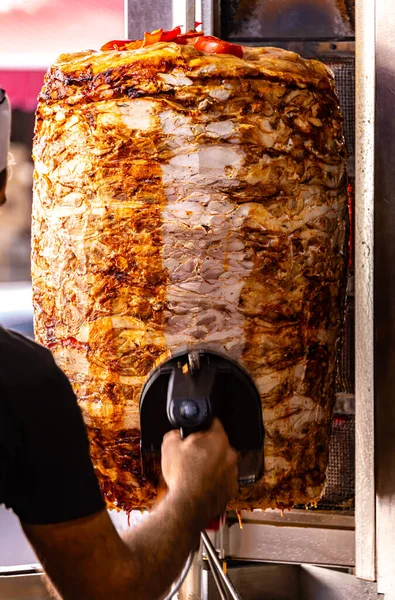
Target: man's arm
[[86, 559]]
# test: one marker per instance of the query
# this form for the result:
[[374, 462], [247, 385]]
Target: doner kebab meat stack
[[191, 194]]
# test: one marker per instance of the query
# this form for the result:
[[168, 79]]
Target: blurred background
[[32, 34]]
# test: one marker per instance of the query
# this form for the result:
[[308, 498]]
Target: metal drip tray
[[300, 536], [289, 582]]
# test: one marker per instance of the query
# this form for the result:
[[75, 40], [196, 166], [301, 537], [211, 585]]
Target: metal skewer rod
[[184, 13], [217, 580], [225, 578]]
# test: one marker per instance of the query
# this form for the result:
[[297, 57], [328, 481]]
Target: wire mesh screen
[[339, 491], [344, 71], [340, 476], [346, 364]]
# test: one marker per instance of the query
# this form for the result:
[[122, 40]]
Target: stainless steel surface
[[207, 16], [384, 285], [228, 585], [147, 16], [191, 589], [218, 540], [206, 581], [218, 581], [288, 582], [364, 326], [22, 587], [184, 14], [326, 584], [298, 537], [255, 582], [296, 518], [143, 16], [267, 582], [264, 582]]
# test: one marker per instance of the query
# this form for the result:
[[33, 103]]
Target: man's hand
[[202, 469], [86, 559]]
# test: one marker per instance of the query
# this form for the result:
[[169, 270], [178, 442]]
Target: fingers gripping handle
[[188, 400]]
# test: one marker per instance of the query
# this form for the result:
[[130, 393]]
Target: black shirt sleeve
[[50, 473]]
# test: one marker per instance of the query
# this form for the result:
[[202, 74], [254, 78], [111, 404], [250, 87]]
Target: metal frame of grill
[[340, 488], [358, 544], [361, 538]]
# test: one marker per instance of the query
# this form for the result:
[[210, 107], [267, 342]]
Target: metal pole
[[205, 584], [206, 8], [191, 588], [384, 284], [184, 14], [218, 581], [365, 494], [146, 16], [228, 585]]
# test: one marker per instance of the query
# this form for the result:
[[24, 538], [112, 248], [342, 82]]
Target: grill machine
[[186, 392], [353, 530], [276, 557]]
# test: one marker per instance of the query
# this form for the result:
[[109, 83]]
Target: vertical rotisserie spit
[[184, 198]]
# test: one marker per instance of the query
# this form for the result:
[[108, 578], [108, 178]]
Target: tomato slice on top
[[188, 38], [169, 36], [116, 45], [134, 45], [204, 43], [122, 45], [153, 37], [213, 45]]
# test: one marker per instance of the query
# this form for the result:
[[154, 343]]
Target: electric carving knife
[[186, 392]]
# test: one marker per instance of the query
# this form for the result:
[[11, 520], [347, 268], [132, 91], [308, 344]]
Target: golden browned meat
[[185, 198]]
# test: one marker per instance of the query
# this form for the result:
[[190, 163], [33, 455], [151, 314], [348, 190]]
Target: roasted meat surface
[[185, 198]]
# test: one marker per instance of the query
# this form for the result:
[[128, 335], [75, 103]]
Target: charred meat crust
[[185, 198]]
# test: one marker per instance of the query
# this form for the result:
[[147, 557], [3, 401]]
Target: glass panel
[[288, 19]]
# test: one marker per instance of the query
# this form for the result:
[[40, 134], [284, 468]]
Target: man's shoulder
[[22, 360]]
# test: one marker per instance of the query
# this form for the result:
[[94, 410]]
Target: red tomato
[[213, 45], [169, 36], [122, 45], [204, 43], [116, 45], [153, 37], [133, 45], [188, 38]]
